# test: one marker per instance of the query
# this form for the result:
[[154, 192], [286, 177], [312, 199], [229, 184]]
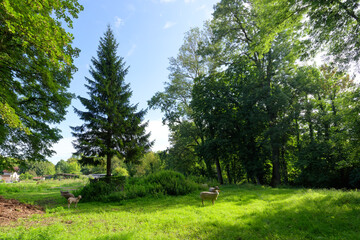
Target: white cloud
[[131, 51], [167, 1], [118, 22], [169, 24], [159, 133], [189, 1]]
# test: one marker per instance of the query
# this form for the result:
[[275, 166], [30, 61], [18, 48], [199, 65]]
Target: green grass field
[[241, 212]]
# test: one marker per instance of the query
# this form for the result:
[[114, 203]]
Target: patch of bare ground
[[12, 209]]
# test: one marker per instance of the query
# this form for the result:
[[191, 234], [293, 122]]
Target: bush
[[157, 184], [95, 191], [171, 183]]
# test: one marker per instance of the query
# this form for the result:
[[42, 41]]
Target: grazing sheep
[[212, 189], [73, 200], [209, 196], [66, 194]]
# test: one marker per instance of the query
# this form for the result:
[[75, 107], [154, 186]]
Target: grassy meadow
[[241, 212]]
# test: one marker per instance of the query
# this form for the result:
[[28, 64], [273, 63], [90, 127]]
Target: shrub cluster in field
[[157, 184]]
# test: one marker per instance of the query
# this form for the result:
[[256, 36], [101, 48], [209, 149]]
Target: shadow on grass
[[234, 195], [304, 216]]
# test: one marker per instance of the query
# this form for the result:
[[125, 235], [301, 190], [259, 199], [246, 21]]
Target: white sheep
[[212, 189], [73, 200], [209, 196]]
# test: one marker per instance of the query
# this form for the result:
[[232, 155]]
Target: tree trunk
[[209, 170], [218, 170], [229, 174], [276, 177], [284, 170], [108, 165]]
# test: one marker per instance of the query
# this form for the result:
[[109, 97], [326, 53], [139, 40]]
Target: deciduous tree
[[36, 66]]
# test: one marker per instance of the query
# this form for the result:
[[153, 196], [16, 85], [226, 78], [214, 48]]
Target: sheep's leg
[[76, 204], [213, 201], [202, 200], [68, 205]]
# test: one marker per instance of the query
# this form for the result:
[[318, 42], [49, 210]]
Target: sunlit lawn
[[241, 212]]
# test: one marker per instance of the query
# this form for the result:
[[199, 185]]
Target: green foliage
[[149, 163], [26, 176], [171, 182], [39, 168], [332, 26], [36, 62], [42, 168], [62, 167], [175, 100], [254, 114], [119, 171]]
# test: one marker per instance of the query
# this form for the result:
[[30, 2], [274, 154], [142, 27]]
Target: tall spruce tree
[[112, 126]]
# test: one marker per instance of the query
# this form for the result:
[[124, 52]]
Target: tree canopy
[[36, 64], [258, 115]]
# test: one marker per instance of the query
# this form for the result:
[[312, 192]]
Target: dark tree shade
[[112, 126]]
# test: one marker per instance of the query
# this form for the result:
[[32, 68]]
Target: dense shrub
[[95, 191], [171, 183], [157, 184]]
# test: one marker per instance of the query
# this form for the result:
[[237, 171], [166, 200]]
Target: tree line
[[242, 104]]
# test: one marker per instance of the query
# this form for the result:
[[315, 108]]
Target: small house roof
[[16, 169]]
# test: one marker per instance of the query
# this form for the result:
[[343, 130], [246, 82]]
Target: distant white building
[[10, 176]]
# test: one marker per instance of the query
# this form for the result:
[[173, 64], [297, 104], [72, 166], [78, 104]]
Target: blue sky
[[149, 32]]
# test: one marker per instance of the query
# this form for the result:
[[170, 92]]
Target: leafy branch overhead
[[36, 62]]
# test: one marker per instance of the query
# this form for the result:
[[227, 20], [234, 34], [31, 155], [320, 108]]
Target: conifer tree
[[112, 127]]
